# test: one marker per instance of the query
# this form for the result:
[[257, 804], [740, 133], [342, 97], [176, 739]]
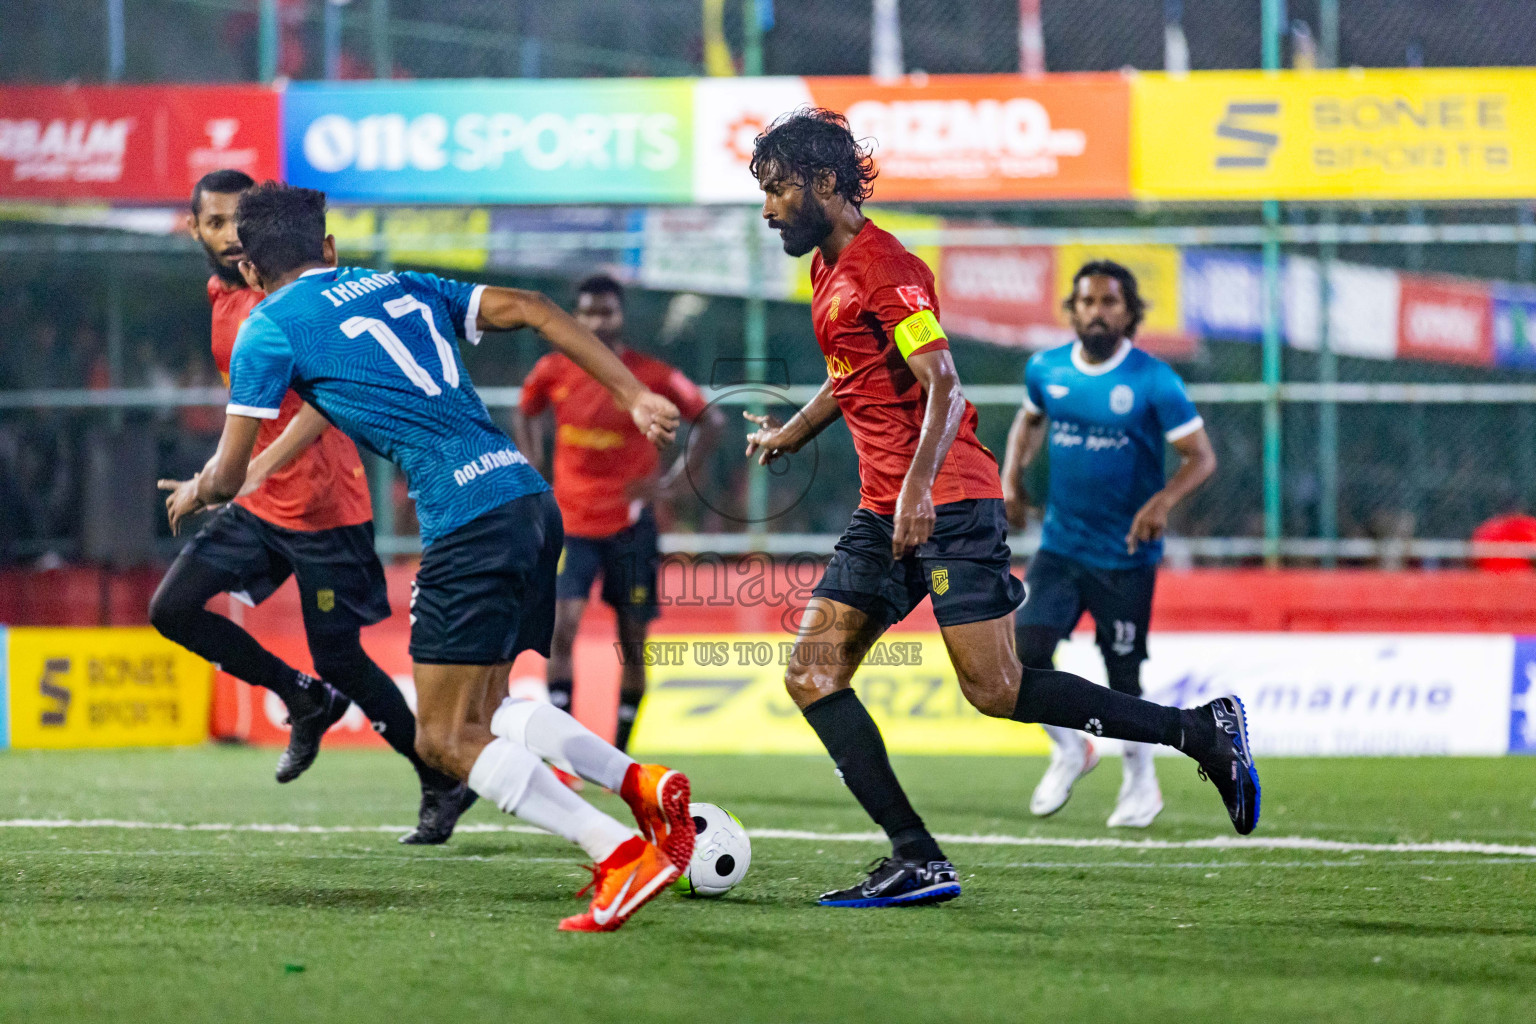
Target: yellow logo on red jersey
[[590, 437], [838, 367], [832, 312]]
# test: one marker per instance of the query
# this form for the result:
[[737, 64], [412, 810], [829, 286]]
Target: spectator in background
[[1514, 524]]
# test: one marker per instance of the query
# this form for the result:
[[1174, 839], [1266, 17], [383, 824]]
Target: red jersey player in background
[[930, 518], [311, 518], [606, 476]]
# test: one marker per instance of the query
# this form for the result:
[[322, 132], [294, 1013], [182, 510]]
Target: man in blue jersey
[[1107, 407], [371, 352]]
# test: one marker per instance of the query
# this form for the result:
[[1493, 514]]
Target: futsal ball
[[721, 855]]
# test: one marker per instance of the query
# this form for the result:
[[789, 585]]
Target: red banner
[[136, 143], [1445, 320], [1005, 296]]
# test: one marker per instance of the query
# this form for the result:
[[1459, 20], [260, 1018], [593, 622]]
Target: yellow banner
[[725, 695], [1157, 278], [105, 688], [1389, 134]]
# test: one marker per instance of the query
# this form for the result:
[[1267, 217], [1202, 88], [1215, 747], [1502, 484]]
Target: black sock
[[629, 708], [177, 612], [854, 741], [342, 662], [1052, 697], [560, 693]]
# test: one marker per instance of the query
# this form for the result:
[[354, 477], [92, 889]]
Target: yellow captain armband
[[919, 329]]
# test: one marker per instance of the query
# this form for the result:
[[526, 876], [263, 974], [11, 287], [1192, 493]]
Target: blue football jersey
[[1108, 423], [378, 354]]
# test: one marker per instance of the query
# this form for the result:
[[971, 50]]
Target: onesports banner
[[515, 141], [1419, 134], [120, 687], [1320, 694], [131, 143]]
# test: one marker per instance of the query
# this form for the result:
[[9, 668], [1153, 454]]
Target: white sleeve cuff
[[255, 412], [1030, 407], [472, 331], [1180, 432]]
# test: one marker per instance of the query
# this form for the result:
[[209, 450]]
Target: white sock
[[515, 780], [561, 740], [1138, 761], [1069, 742]]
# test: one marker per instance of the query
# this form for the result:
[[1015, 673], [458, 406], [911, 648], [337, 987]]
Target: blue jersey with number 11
[[378, 354]]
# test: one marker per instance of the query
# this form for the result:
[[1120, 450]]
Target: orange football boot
[[658, 796], [623, 884]]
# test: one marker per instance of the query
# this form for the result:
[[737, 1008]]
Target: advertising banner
[[724, 693], [522, 141], [1223, 294], [5, 696], [1356, 135], [121, 687], [131, 143], [1445, 320], [1514, 326], [1522, 698], [1337, 694], [1362, 309], [948, 137], [1005, 296], [1307, 694]]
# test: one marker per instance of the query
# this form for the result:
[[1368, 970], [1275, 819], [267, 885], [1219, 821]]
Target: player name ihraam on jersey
[[346, 291], [487, 462]]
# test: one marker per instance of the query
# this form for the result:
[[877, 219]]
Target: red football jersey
[[856, 307], [599, 452], [324, 486]]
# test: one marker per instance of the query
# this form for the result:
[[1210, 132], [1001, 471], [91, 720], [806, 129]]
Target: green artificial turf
[[122, 924]]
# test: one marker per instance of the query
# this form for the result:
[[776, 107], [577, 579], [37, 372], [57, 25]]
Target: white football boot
[[1141, 801], [1072, 757]]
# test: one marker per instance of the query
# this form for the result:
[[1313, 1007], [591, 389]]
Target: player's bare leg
[[634, 630], [833, 640], [996, 684], [454, 735]]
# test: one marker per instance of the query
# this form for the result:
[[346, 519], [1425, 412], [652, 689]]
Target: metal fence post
[[269, 42], [116, 41], [1328, 408], [1272, 17], [378, 26]]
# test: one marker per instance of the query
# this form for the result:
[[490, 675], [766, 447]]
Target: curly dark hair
[[601, 284], [806, 142], [1134, 303], [281, 227]]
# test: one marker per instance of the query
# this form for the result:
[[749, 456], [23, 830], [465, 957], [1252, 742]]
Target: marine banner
[[1419, 134], [119, 687]]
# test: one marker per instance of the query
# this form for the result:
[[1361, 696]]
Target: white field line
[[1065, 842]]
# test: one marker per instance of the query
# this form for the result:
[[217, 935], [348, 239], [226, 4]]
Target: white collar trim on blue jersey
[[317, 270], [1099, 369]]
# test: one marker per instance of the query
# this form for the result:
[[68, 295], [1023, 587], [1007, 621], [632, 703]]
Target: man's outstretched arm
[[507, 309]]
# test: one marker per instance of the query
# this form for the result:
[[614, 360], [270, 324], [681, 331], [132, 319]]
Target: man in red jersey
[[606, 474], [312, 519], [930, 518]]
